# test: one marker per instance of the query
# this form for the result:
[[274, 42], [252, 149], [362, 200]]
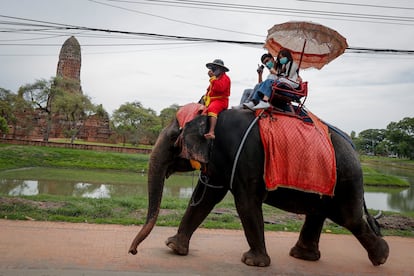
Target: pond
[[17, 183], [399, 200], [82, 189], [92, 184]]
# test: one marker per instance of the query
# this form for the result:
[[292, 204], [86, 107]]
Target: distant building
[[70, 61], [95, 128]]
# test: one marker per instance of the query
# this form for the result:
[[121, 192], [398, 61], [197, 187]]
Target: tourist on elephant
[[286, 71], [217, 97], [247, 96]]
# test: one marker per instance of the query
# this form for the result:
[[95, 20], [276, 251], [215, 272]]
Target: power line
[[372, 50], [152, 49], [98, 45], [173, 37], [358, 5], [358, 17], [173, 20], [151, 35]]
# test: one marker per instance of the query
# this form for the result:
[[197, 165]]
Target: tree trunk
[[48, 127]]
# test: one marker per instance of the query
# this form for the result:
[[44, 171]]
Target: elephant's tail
[[372, 221]]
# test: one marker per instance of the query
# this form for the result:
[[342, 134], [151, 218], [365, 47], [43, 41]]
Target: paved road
[[54, 248]]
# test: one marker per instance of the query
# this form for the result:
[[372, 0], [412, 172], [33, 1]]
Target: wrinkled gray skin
[[346, 208]]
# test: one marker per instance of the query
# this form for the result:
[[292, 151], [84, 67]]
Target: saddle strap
[[242, 142]]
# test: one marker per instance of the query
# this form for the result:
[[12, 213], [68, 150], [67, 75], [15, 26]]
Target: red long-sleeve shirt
[[218, 92]]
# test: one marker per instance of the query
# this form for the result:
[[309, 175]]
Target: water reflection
[[28, 187], [35, 187], [379, 201], [398, 200], [403, 200], [82, 189], [89, 190], [392, 200]]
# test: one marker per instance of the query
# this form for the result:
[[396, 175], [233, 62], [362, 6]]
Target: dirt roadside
[[57, 248], [388, 222]]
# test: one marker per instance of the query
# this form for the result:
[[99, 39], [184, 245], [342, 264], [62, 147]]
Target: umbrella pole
[[301, 55]]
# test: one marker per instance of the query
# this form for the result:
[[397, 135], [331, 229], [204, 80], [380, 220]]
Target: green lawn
[[16, 156]]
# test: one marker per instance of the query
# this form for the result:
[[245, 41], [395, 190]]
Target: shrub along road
[[59, 248]]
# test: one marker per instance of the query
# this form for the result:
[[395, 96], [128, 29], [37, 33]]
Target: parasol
[[311, 44]]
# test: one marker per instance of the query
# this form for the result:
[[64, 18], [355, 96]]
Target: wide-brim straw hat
[[217, 62]]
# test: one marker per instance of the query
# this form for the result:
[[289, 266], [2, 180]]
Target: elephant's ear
[[194, 145]]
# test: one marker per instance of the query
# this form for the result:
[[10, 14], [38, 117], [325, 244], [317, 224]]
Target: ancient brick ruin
[[69, 63], [95, 128]]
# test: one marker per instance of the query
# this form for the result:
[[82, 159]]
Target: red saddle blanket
[[188, 112], [298, 154]]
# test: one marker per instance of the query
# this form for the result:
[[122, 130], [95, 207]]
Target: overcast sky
[[357, 91]]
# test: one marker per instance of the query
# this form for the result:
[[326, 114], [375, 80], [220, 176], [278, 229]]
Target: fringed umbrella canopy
[[311, 44]]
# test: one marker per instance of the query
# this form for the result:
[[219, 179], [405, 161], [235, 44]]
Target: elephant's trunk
[[157, 169]]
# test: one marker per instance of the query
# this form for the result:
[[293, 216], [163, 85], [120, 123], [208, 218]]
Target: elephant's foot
[[303, 253], [178, 244], [254, 259], [379, 254]]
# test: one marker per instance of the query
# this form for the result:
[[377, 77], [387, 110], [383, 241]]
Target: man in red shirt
[[218, 93]]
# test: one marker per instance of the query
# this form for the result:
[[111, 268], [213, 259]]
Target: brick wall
[[74, 146]]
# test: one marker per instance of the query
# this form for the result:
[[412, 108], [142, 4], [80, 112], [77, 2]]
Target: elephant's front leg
[[202, 202], [249, 208], [307, 247]]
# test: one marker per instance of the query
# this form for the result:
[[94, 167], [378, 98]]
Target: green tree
[[136, 124], [167, 114], [383, 147], [4, 128], [41, 95], [369, 139], [6, 101], [17, 112], [61, 100], [101, 112], [75, 108], [401, 136]]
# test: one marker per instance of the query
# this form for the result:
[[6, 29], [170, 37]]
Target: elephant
[[346, 208]]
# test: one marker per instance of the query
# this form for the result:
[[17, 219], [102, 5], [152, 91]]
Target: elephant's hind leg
[[307, 247], [375, 245]]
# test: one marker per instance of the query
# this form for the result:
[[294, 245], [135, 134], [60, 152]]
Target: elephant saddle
[[298, 154], [188, 112], [196, 153]]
